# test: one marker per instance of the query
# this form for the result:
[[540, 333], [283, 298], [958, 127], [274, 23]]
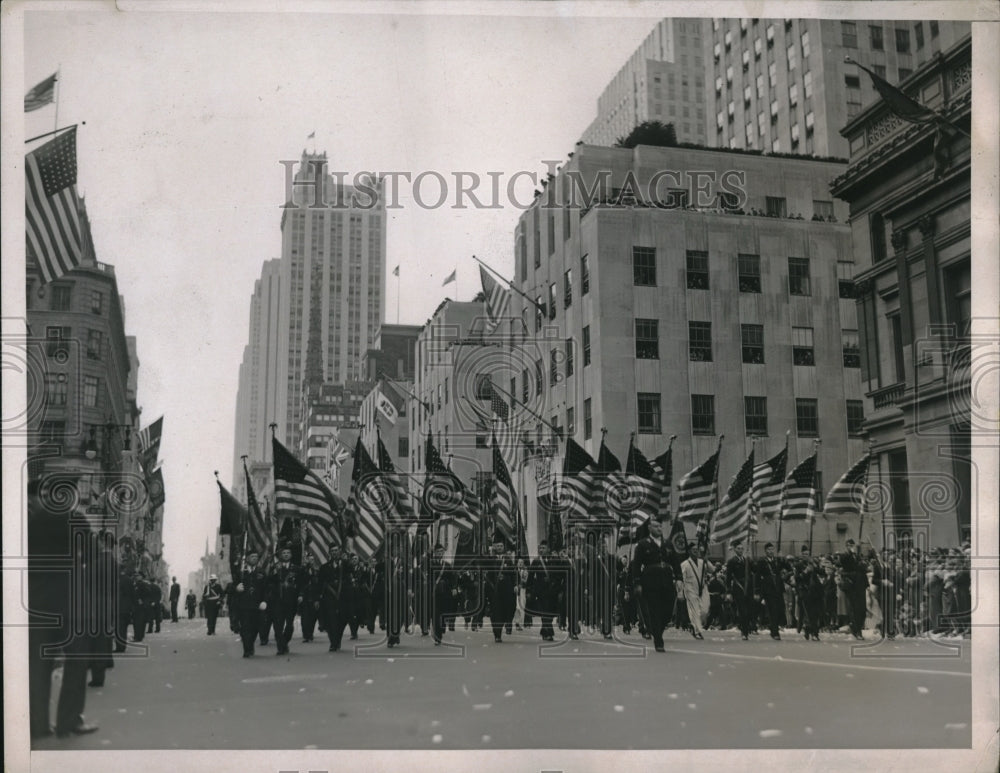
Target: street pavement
[[193, 691]]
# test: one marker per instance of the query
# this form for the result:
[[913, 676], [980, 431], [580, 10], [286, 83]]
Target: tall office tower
[[782, 85], [257, 403], [333, 251], [664, 80]]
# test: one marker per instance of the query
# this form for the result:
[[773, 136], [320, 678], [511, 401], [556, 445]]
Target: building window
[[568, 288], [647, 339], [62, 298], [97, 302], [569, 357], [802, 346], [875, 37], [958, 287], [934, 28], [798, 276], [52, 433], [539, 310], [852, 350], [918, 34], [553, 294], [896, 325], [553, 367], [807, 85], [855, 417], [805, 45], [649, 413], [57, 341], [845, 279], [849, 34], [55, 389], [749, 273], [539, 376], [586, 345], [584, 276], [806, 417], [755, 415], [557, 431], [404, 447], [483, 388], [481, 439], [775, 206], [904, 73], [822, 210], [570, 421], [446, 390], [697, 270], [902, 41], [525, 386], [95, 344], [793, 94], [588, 419], [700, 341], [703, 414], [90, 385], [876, 227], [644, 266], [752, 338], [567, 230]]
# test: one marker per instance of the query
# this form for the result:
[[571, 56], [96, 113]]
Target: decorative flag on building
[[698, 489], [154, 486], [259, 535], [401, 513], [847, 494], [451, 278], [800, 491], [504, 499], [385, 406], [367, 504], [768, 479], [300, 493], [578, 484], [149, 444], [41, 95], [497, 299], [232, 516], [52, 208], [733, 516]]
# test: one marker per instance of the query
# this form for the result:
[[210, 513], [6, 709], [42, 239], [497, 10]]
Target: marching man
[[694, 585]]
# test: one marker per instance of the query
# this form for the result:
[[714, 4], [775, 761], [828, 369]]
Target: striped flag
[[578, 484], [445, 497], [845, 498], [42, 94], [497, 299], [149, 444], [259, 532], [319, 540], [504, 500], [645, 489], [233, 515], [367, 504], [664, 465], [401, 513], [765, 496], [299, 492], [698, 489], [611, 504], [734, 511], [505, 435], [800, 490], [52, 208]]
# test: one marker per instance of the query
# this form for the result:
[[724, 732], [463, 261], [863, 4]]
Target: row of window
[[61, 299], [57, 390], [876, 37], [57, 342]]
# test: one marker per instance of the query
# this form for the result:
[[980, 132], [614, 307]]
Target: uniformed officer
[[654, 581], [335, 596], [445, 592], [283, 598], [741, 588], [542, 589], [249, 590]]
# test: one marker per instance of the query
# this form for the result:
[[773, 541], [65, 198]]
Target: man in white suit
[[694, 585]]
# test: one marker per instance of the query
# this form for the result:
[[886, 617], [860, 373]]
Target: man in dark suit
[[445, 592], [283, 598], [855, 579], [502, 583], [771, 586], [654, 581], [309, 613], [334, 579], [248, 601], [741, 589], [155, 610], [809, 587], [126, 606], [542, 589], [175, 597], [140, 606]]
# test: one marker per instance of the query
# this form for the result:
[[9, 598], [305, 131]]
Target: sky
[[188, 116]]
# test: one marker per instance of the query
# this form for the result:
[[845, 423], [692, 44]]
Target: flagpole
[[861, 515], [784, 488], [509, 283], [397, 295], [55, 122], [753, 546], [670, 483], [715, 494]]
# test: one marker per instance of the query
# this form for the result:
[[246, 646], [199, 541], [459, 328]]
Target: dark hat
[[285, 546], [768, 545]]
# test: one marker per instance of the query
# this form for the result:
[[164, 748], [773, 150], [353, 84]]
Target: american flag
[[732, 517], [319, 540], [800, 490], [299, 492], [698, 490], [149, 444], [765, 496], [504, 501], [368, 503], [847, 493], [497, 299], [505, 433], [664, 466], [42, 94], [259, 532], [52, 208], [611, 504], [402, 513], [445, 497], [646, 485], [578, 484]]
